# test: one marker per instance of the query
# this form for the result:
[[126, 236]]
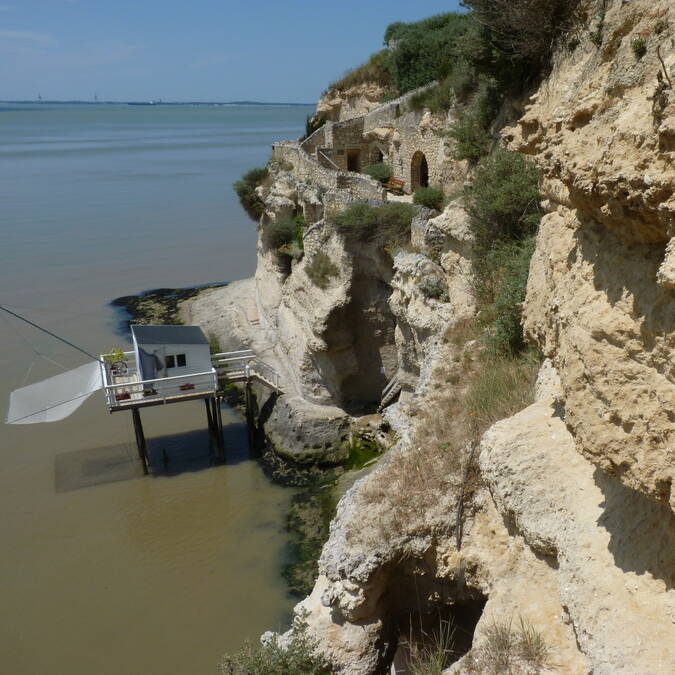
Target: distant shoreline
[[155, 103]]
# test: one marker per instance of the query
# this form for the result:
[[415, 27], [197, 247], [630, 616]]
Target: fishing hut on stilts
[[168, 364]]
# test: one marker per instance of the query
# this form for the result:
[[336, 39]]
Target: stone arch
[[419, 171]]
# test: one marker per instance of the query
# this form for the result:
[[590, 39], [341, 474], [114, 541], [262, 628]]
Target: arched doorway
[[376, 155], [419, 171]]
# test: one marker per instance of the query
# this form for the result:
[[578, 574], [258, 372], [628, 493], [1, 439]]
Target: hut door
[[354, 160]]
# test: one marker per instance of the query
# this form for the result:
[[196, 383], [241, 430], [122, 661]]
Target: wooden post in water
[[217, 428], [249, 414], [209, 419], [140, 439], [221, 442]]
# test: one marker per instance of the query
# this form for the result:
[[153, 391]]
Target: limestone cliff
[[560, 516], [570, 527], [600, 298]]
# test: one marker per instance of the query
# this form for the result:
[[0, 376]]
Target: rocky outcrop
[[341, 104], [612, 548], [600, 298]]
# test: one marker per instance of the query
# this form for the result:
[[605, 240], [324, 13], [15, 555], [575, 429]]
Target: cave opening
[[430, 619]]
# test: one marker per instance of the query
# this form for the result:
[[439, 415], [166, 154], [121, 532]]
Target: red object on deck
[[125, 395], [187, 386]]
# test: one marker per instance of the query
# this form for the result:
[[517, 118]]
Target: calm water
[[104, 571]]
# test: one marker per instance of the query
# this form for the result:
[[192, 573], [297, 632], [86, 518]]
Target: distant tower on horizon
[[95, 97], [39, 97]]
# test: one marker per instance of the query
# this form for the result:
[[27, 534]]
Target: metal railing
[[245, 365], [124, 393]]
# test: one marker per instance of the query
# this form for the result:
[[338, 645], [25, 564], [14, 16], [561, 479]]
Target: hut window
[[180, 360], [171, 361]]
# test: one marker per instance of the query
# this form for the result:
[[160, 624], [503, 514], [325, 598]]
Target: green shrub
[[525, 30], [660, 26], [454, 88], [430, 197], [389, 223], [299, 657], [470, 130], [509, 264], [432, 286], [285, 236], [380, 171], [320, 269], [375, 70], [471, 139], [245, 189], [425, 50], [214, 343], [503, 206], [358, 220], [639, 47], [503, 200]]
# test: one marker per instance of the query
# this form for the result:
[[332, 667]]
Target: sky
[[198, 50]]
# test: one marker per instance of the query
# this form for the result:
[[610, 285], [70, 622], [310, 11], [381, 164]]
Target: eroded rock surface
[[600, 297]]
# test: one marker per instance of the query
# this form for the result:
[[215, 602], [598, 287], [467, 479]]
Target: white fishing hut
[[168, 364]]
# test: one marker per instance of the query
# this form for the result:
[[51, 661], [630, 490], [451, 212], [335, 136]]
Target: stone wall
[[309, 170]]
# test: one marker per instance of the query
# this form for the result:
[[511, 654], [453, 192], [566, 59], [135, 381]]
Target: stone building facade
[[412, 142]]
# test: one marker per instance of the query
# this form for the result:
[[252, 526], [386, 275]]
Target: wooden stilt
[[249, 414], [216, 427], [209, 419], [220, 427], [140, 439]]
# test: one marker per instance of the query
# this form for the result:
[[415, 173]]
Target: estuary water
[[102, 570]]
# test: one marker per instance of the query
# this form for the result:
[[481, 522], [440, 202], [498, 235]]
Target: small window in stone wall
[[170, 361], [180, 361]]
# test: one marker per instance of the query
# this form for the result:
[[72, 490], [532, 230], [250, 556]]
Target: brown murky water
[[102, 570]]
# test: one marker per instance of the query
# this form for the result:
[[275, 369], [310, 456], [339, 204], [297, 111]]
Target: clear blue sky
[[283, 50]]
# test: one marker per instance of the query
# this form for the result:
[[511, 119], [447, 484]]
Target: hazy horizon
[[210, 51]]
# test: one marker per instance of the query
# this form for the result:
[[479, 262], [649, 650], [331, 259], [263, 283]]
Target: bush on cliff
[[284, 235], [298, 656], [425, 50], [376, 70], [503, 205], [389, 223], [430, 197], [245, 189], [380, 171], [524, 30]]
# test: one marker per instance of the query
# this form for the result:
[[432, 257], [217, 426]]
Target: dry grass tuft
[[435, 654], [509, 650]]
